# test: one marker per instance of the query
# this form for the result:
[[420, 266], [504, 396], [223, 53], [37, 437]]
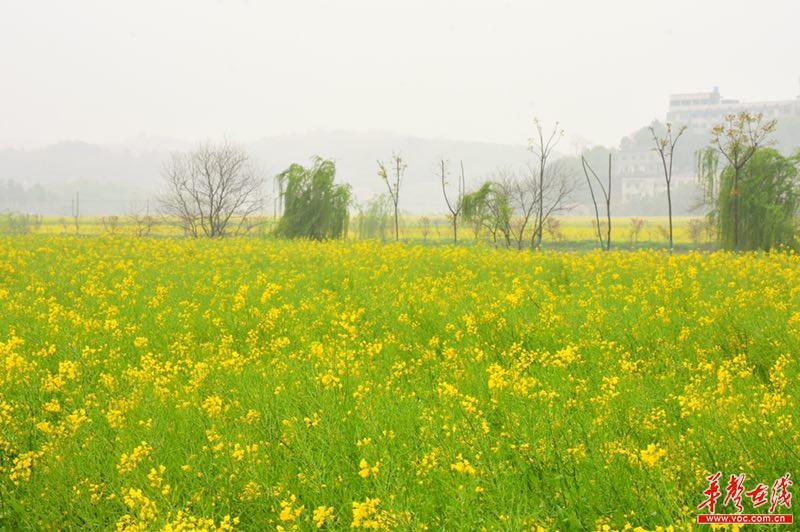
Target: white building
[[641, 171], [704, 110], [641, 174], [634, 188]]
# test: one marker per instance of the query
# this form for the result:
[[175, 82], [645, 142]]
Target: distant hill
[[114, 179]]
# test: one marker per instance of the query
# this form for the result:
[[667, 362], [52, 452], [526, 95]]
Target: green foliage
[[769, 200], [475, 202], [490, 208], [315, 207], [374, 218]]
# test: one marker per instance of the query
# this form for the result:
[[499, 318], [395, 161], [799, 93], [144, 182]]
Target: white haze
[[93, 94], [106, 71]]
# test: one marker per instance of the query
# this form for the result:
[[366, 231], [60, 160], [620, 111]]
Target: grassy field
[[255, 384]]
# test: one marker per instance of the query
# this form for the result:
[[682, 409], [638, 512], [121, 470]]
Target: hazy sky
[[107, 70]]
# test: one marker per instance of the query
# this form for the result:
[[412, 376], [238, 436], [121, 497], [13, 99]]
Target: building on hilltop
[[639, 166], [706, 109]]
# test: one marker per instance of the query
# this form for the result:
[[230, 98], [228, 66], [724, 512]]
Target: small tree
[[520, 192], [314, 207], [542, 145], [768, 202], [393, 177], [211, 191], [696, 229], [457, 205], [637, 224], [143, 222], [425, 227], [554, 231], [489, 207], [665, 147], [606, 190], [737, 139], [554, 188], [373, 218], [110, 224], [21, 224]]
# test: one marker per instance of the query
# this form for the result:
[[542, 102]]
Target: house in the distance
[[704, 110], [639, 166]]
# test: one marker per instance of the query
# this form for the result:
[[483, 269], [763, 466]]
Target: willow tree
[[762, 213], [490, 207], [313, 205], [737, 139]]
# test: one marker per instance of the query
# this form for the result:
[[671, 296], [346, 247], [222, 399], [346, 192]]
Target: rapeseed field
[[254, 384]]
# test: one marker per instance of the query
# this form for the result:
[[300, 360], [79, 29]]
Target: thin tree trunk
[[669, 210], [736, 209], [541, 207], [594, 202], [608, 207]]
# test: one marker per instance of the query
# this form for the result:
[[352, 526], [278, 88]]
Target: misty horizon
[[247, 70], [97, 107]]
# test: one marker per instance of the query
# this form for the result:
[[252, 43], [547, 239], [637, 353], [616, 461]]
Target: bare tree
[[458, 202], [697, 227], [555, 187], [211, 191], [521, 191], [606, 190], [637, 224], [110, 224], [665, 147], [508, 205], [393, 177], [425, 227], [143, 221], [542, 145], [738, 138], [554, 230]]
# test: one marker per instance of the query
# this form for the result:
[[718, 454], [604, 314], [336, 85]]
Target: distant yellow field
[[436, 229], [573, 229]]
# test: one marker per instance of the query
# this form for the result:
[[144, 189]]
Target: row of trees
[[515, 206], [751, 191], [512, 207], [215, 191]]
